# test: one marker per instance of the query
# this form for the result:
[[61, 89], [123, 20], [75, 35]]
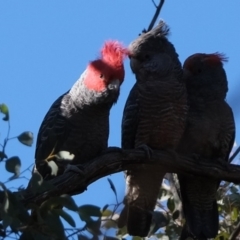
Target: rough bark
[[115, 161]]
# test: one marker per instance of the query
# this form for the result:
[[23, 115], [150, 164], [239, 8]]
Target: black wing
[[52, 132], [130, 119]]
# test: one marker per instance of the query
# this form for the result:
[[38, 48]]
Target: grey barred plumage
[[154, 115], [209, 135]]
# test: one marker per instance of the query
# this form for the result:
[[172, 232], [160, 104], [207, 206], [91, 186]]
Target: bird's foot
[[73, 168], [148, 151], [223, 163]]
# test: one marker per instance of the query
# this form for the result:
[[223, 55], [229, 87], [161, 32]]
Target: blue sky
[[46, 45]]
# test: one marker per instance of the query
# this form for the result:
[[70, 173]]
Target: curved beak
[[114, 85]]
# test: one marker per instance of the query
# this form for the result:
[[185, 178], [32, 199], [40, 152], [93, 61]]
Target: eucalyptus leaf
[[171, 204], [5, 111], [112, 186], [65, 216], [86, 211], [13, 165], [26, 138]]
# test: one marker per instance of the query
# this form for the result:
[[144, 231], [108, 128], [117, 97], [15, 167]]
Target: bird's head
[[106, 74], [205, 73], [152, 53]]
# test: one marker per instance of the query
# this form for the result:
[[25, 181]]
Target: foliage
[[47, 219]]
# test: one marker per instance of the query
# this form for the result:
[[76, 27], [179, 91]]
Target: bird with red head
[[77, 123], [209, 136]]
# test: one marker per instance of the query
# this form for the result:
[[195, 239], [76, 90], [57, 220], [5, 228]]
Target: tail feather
[[203, 224], [186, 234], [200, 206], [143, 189], [139, 222]]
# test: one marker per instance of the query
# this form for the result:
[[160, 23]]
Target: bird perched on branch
[[209, 135], [154, 118], [76, 127]]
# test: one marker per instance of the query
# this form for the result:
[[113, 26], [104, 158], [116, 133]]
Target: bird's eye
[[101, 75]]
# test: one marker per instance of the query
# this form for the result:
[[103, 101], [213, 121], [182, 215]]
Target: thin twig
[[76, 231], [154, 4], [5, 141], [73, 183], [155, 16], [235, 233], [235, 154]]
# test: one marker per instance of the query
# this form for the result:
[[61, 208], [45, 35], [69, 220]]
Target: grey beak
[[114, 85]]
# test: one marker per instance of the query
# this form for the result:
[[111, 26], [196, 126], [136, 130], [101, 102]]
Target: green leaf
[[136, 238], [64, 200], [26, 138], [109, 223], [232, 199], [107, 213], [175, 214], [234, 214], [234, 189], [94, 226], [38, 185], [4, 207], [171, 204], [86, 211], [54, 225], [164, 194], [2, 155], [13, 165], [16, 207], [112, 186], [222, 236], [6, 221], [5, 111], [68, 202], [65, 216], [15, 224], [121, 232], [36, 181], [160, 219]]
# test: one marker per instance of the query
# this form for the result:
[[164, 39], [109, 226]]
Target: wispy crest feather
[[216, 57], [151, 40], [161, 30], [210, 59], [113, 53]]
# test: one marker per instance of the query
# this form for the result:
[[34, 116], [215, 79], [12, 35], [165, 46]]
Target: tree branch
[[73, 183], [235, 233], [235, 154], [155, 16], [154, 4]]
